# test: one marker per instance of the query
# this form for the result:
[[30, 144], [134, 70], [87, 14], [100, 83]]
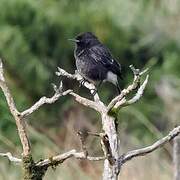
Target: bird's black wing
[[101, 54]]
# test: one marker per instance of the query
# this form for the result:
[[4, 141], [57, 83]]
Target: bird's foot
[[93, 91], [81, 82]]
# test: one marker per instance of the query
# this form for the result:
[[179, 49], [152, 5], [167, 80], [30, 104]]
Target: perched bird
[[94, 61]]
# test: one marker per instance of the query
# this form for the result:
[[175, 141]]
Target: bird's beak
[[74, 40]]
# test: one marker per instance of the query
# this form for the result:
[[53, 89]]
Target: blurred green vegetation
[[33, 42]]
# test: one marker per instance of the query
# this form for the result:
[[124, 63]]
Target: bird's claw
[[81, 82], [93, 91]]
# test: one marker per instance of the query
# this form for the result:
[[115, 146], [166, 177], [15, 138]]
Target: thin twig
[[134, 99], [130, 88], [62, 157], [44, 100], [138, 94], [94, 134], [88, 103], [143, 151], [11, 158], [6, 91]]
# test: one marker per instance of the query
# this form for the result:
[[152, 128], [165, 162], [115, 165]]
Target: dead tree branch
[[134, 99], [62, 157], [142, 152], [55, 159], [44, 100], [86, 102], [19, 116], [116, 102], [11, 157], [21, 125], [123, 158]]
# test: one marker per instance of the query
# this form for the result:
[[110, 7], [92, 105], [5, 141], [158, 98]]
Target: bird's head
[[86, 39]]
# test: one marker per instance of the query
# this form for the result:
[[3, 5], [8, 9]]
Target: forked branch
[[120, 100], [11, 158], [124, 102], [86, 102]]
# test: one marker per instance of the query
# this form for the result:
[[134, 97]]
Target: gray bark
[[176, 157], [111, 171]]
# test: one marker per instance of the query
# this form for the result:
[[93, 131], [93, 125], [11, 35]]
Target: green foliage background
[[33, 42]]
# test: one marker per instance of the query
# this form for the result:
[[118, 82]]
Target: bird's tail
[[120, 76], [118, 88], [119, 73]]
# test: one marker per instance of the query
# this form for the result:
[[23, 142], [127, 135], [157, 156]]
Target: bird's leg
[[81, 82], [93, 91], [118, 88]]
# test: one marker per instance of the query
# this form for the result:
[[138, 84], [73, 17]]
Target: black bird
[[94, 61]]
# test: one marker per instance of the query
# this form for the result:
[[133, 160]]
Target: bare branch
[[88, 103], [137, 96], [44, 100], [58, 93], [19, 121], [10, 157], [130, 88], [78, 77], [139, 93], [6, 91], [62, 72], [142, 152], [62, 157]]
